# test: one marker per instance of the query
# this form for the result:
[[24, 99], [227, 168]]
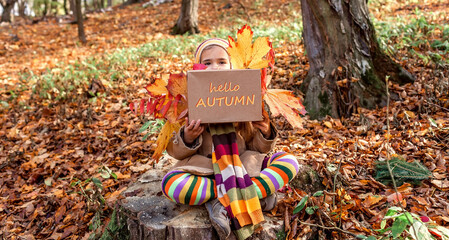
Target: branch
[[436, 105], [329, 228], [388, 158]]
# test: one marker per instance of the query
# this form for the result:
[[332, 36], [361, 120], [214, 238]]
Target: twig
[[436, 105], [334, 183], [329, 228], [388, 158]]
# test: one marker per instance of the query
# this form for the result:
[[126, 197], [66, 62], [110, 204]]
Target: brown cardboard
[[217, 96]]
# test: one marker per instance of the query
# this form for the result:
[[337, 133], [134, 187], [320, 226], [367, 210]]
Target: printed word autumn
[[227, 100]]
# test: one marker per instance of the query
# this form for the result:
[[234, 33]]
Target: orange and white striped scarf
[[235, 189]]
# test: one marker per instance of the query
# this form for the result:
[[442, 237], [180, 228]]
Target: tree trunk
[[109, 3], [45, 11], [66, 10], [347, 66], [7, 8], [86, 6], [22, 6], [79, 17], [73, 10], [188, 18], [54, 7]]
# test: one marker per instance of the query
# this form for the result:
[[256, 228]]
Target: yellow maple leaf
[[163, 138], [260, 49], [283, 102], [244, 54]]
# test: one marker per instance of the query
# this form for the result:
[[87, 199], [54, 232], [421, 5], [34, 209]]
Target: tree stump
[[153, 217]]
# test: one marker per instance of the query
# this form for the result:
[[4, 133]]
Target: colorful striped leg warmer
[[186, 188], [276, 172]]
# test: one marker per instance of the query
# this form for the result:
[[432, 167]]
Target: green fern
[[403, 171]]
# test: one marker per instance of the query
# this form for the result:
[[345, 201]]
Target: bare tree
[[7, 6], [72, 4], [188, 18], [79, 17], [347, 66], [64, 6], [22, 6]]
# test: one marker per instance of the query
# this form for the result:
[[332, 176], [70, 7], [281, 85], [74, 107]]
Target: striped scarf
[[235, 190]]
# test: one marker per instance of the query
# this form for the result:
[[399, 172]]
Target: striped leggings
[[186, 188]]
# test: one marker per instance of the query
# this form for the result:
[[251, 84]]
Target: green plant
[[151, 126], [117, 227], [419, 36], [402, 171], [281, 235], [92, 190], [414, 226]]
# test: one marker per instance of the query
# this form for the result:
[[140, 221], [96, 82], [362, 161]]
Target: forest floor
[[56, 154]]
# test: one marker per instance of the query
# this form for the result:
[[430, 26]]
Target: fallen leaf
[[371, 200], [60, 213], [394, 198], [441, 184]]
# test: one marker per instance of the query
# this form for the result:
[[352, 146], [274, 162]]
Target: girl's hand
[[264, 125], [192, 130]]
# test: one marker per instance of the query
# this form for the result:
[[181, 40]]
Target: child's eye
[[206, 63], [223, 62]]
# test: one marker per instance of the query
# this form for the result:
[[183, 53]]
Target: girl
[[225, 165]]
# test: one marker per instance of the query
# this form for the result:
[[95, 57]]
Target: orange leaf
[[163, 138], [394, 197], [178, 108], [177, 84], [371, 200], [157, 88], [60, 213], [283, 102]]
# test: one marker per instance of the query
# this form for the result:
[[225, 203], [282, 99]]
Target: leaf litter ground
[[48, 146]]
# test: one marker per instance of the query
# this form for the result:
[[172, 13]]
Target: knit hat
[[211, 41]]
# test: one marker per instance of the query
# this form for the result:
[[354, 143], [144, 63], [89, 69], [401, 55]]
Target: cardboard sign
[[217, 96]]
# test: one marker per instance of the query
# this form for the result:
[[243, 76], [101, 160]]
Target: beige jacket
[[197, 159]]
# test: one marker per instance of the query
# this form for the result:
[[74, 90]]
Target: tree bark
[[22, 6], [86, 6], [45, 11], [129, 2], [347, 66], [73, 10], [66, 10], [188, 18], [79, 17], [7, 8]]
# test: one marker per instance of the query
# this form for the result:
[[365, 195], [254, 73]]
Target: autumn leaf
[[157, 88], [283, 102], [198, 66], [168, 98], [163, 138], [259, 50], [177, 84], [178, 109], [244, 54]]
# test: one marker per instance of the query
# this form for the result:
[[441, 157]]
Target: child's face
[[215, 58]]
